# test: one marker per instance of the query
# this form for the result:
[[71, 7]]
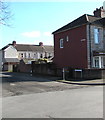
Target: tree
[[5, 13]]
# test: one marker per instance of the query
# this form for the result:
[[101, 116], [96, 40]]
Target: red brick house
[[81, 43]]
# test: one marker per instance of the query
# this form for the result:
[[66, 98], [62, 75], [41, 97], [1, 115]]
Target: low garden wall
[[22, 67], [46, 69], [89, 74], [51, 69]]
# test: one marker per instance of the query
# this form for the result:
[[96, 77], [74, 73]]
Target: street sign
[[78, 70]]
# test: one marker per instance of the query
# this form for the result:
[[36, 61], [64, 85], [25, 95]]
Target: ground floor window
[[98, 62]]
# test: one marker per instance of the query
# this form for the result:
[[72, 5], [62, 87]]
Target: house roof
[[84, 19], [100, 22], [5, 47], [24, 47], [27, 47]]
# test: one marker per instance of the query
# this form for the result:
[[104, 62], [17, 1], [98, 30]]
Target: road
[[45, 98], [20, 83], [75, 103]]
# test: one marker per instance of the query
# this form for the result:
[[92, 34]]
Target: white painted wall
[[10, 52], [33, 55]]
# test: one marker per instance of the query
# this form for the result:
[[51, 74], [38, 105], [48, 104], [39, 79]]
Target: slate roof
[[27, 47], [100, 22], [23, 47], [84, 19], [5, 47]]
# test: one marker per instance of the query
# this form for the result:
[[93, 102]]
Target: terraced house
[[81, 43], [13, 53]]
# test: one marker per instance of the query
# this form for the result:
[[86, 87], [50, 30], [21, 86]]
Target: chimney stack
[[14, 43], [40, 43], [99, 12]]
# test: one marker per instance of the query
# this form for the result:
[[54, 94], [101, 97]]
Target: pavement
[[84, 82], [79, 81]]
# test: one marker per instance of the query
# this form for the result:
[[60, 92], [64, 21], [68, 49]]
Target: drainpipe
[[90, 45]]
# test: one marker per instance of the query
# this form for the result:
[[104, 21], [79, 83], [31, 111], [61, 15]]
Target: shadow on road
[[22, 77]]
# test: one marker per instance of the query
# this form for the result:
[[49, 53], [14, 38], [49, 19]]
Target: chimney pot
[[99, 12]]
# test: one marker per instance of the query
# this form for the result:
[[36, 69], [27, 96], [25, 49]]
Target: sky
[[33, 22]]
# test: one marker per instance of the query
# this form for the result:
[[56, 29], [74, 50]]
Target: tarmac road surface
[[73, 103], [14, 84], [26, 96]]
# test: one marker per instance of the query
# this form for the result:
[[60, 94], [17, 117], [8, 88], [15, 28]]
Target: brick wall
[[22, 67], [46, 69], [50, 69], [89, 74]]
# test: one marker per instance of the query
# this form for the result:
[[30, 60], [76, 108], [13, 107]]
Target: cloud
[[32, 34], [47, 34]]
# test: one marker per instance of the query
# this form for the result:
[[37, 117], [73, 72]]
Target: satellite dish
[[104, 5]]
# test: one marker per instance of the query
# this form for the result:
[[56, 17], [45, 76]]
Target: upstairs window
[[67, 38], [96, 35], [24, 55], [21, 55], [61, 43], [29, 55]]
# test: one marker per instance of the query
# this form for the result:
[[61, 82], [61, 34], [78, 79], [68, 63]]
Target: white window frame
[[29, 55], [22, 55], [25, 56], [67, 38], [96, 62], [96, 35], [100, 62], [61, 43]]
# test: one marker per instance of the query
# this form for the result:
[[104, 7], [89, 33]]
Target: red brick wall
[[74, 53]]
